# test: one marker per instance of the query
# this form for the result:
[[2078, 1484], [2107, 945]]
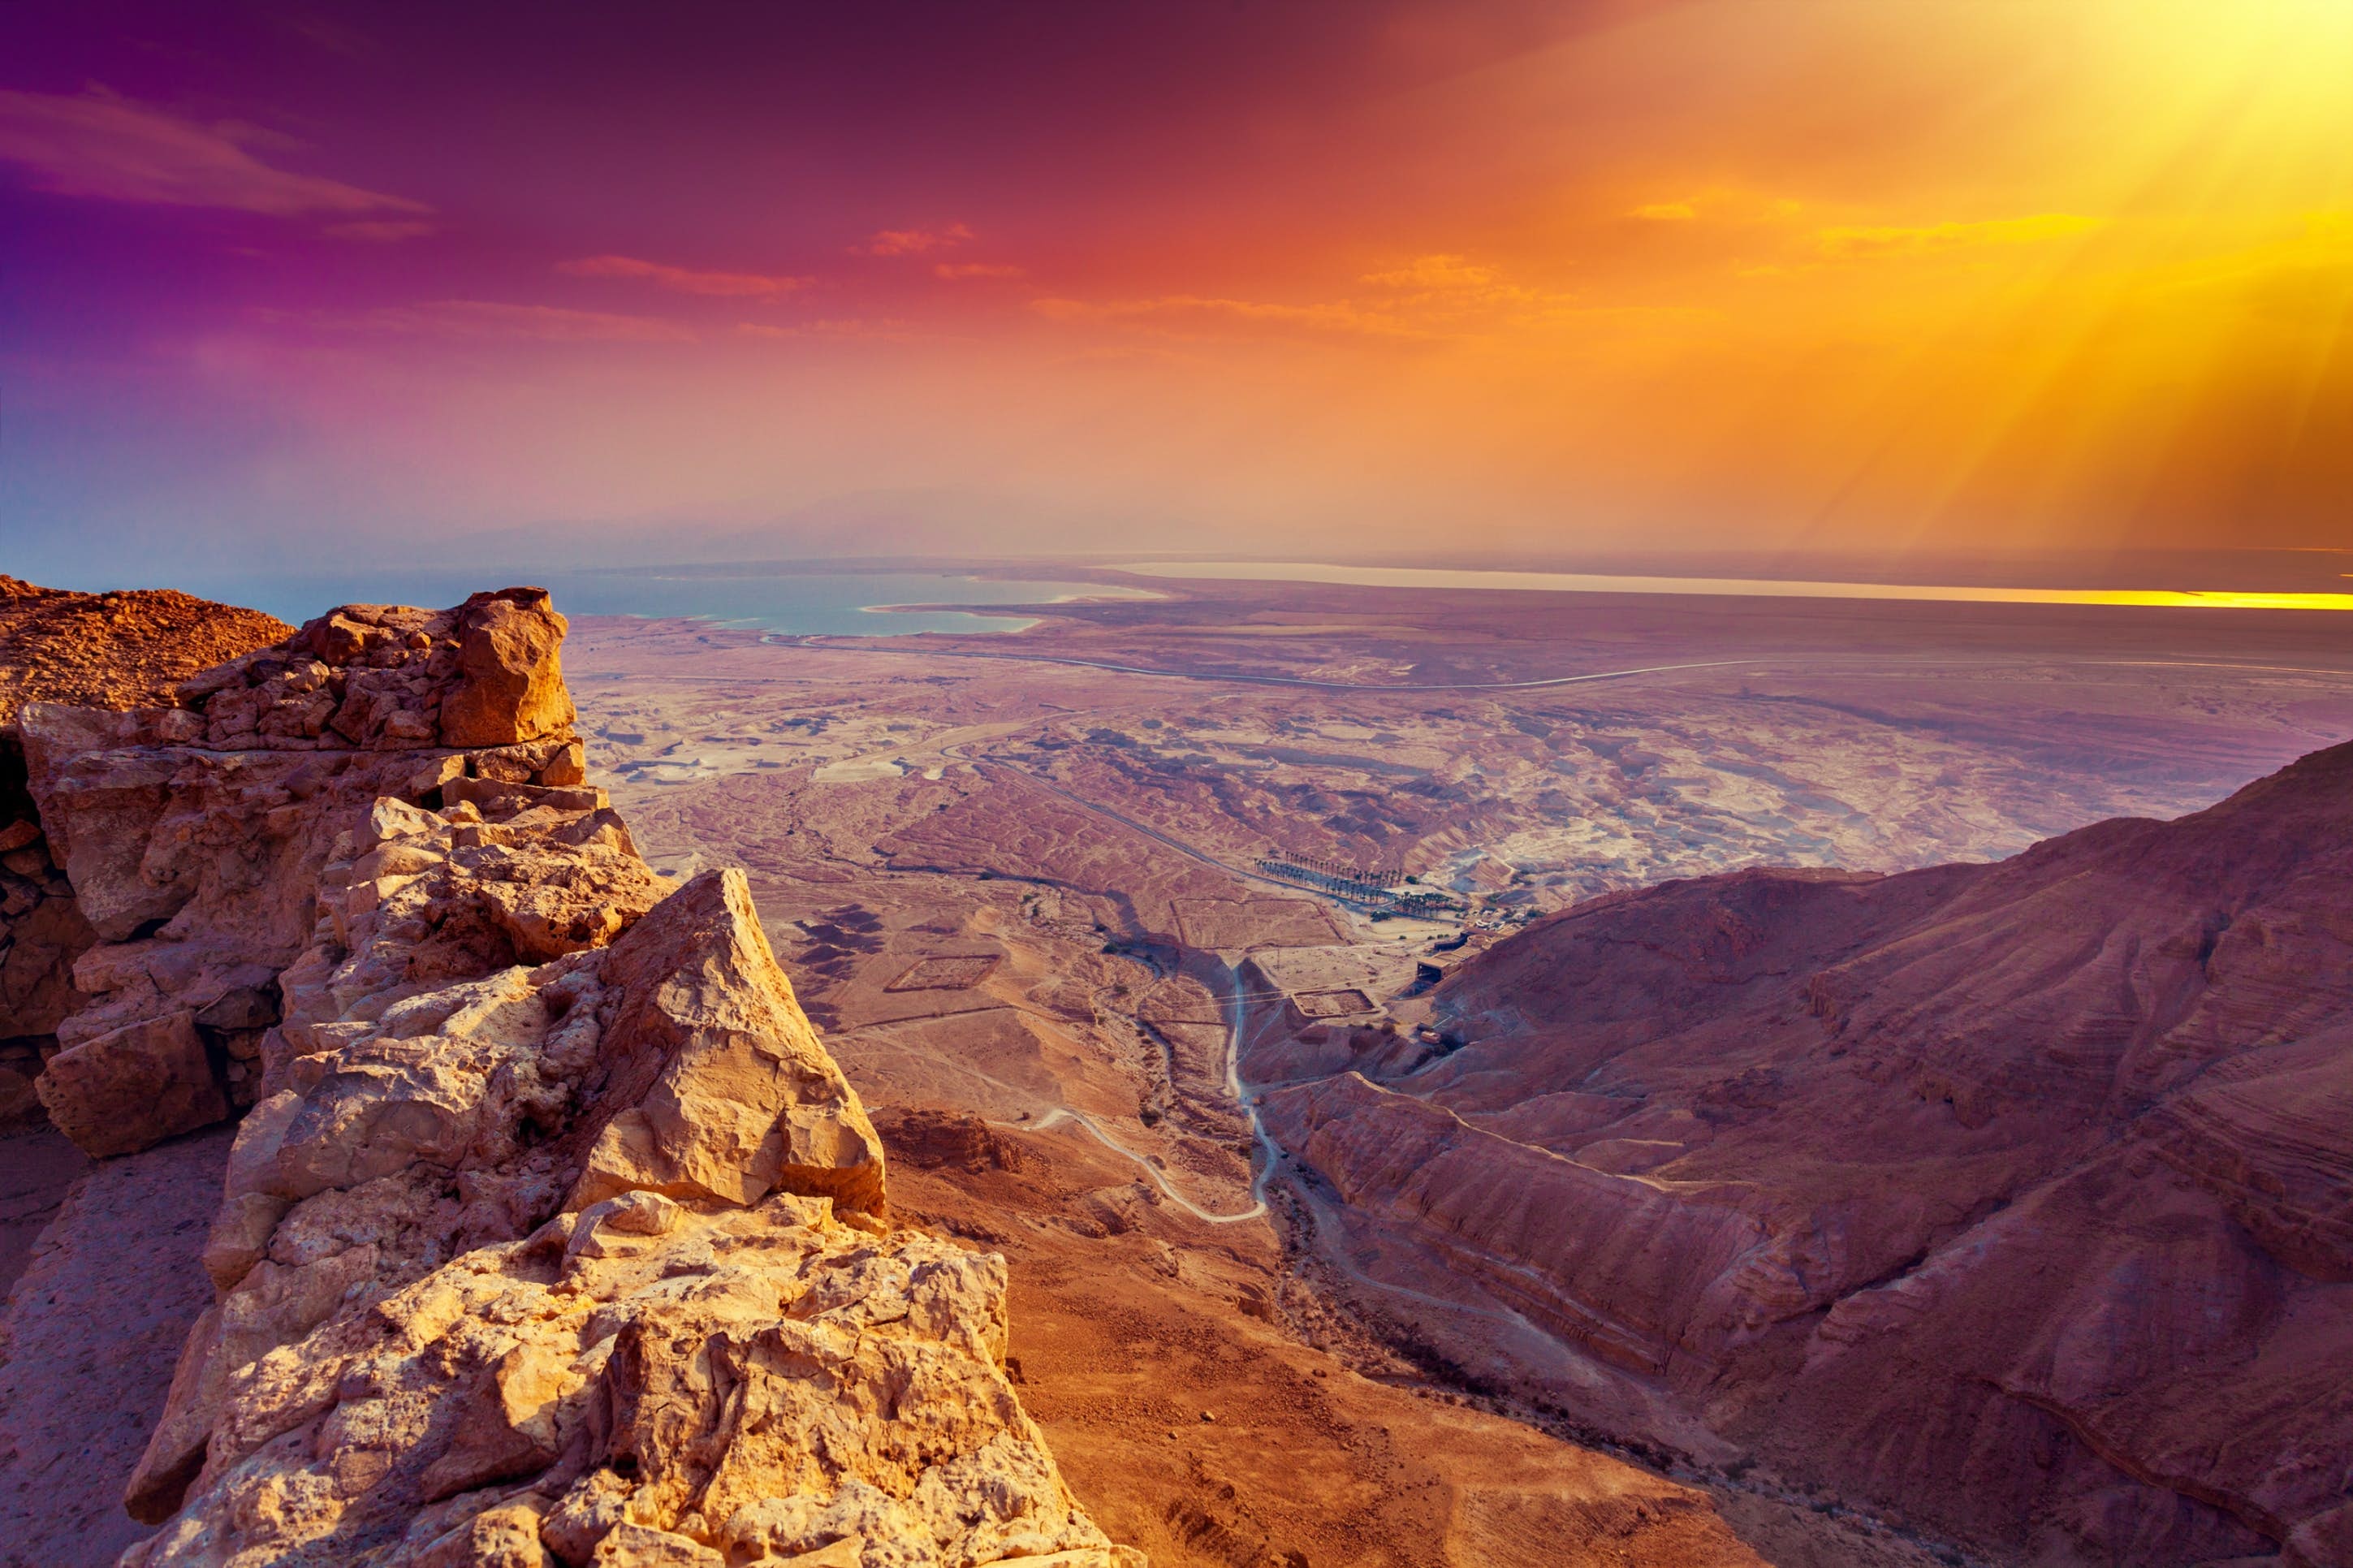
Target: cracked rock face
[[389, 678], [646, 1382], [579, 1262]]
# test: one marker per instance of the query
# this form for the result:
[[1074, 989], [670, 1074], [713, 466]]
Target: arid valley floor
[[1024, 878], [1446, 1070]]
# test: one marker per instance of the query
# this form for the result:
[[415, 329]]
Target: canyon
[[1786, 1132]]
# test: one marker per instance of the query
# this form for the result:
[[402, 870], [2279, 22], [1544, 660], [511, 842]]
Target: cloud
[[95, 144], [1440, 295], [1890, 242], [686, 280], [1197, 313], [1666, 212], [383, 230], [495, 320], [1435, 272], [913, 242], [891, 327], [954, 270]]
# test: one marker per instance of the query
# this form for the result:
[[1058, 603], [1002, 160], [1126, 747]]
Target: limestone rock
[[739, 1097], [384, 678], [579, 1259], [553, 1234], [42, 932], [750, 1385], [192, 839], [510, 686]]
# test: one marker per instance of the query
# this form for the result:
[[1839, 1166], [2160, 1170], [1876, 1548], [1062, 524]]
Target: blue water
[[765, 598]]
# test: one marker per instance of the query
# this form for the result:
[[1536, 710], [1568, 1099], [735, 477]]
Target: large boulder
[[732, 1095], [133, 1086], [511, 685]]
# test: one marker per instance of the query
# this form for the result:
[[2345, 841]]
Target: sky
[[1470, 282]]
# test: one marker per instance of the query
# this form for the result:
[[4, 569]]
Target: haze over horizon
[[318, 285]]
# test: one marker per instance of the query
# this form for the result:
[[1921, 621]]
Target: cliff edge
[[551, 1233]]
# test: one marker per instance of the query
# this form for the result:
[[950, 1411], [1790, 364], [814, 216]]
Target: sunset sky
[[1460, 281]]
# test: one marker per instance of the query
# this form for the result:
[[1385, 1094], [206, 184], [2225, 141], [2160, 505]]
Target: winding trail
[[1061, 1114]]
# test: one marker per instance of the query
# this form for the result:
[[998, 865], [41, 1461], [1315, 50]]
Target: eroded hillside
[[2009, 1197]]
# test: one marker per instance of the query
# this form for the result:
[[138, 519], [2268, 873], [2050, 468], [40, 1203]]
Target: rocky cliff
[[2011, 1198], [551, 1233], [107, 650]]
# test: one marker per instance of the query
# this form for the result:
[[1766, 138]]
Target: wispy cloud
[[1665, 212], [890, 327], [495, 320], [1435, 296], [686, 279], [1449, 292], [383, 230], [961, 270], [1197, 314], [1872, 243], [1440, 272], [95, 144], [913, 242]]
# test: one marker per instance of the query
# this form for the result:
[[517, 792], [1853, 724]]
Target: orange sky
[[1459, 280]]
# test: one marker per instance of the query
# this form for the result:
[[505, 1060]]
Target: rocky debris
[[1994, 1194], [114, 650], [110, 650]]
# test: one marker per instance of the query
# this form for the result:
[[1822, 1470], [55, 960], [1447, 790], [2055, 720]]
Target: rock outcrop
[[553, 1233], [110, 650], [191, 837], [2013, 1198]]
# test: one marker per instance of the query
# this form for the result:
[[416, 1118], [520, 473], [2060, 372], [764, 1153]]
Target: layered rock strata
[[552, 1234], [2011, 1197]]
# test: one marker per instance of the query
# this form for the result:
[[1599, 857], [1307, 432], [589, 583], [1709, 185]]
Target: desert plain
[[1036, 885], [1307, 989]]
